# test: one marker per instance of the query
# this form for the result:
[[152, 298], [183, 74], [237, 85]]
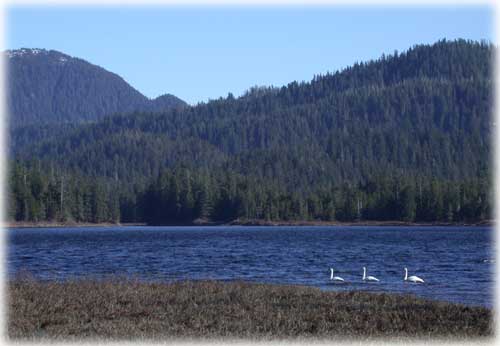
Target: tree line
[[183, 196]]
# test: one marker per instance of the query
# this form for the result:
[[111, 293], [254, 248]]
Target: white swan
[[335, 278], [368, 278], [412, 278]]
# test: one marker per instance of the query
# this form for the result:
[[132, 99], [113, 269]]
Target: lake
[[457, 263]]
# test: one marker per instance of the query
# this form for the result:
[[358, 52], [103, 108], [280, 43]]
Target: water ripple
[[456, 262]]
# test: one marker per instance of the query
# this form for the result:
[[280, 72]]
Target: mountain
[[406, 136], [47, 86], [426, 110]]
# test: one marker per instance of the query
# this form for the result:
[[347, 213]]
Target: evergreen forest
[[405, 137]]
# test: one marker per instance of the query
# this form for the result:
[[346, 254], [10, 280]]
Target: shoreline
[[128, 309], [46, 224], [355, 223], [249, 223]]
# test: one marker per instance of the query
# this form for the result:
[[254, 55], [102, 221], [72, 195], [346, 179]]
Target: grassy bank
[[124, 309]]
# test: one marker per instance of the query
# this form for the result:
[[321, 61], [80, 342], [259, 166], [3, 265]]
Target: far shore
[[55, 224], [244, 222], [354, 223]]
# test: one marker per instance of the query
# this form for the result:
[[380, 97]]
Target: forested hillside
[[46, 86], [405, 137]]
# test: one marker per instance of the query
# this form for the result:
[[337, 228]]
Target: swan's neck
[[331, 276], [406, 274], [364, 273]]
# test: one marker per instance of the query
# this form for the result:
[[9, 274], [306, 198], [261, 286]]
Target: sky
[[203, 53]]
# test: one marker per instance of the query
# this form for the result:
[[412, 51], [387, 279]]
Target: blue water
[[457, 263]]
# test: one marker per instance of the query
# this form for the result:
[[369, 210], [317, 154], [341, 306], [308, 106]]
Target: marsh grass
[[130, 309]]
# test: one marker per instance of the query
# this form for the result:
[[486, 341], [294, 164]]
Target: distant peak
[[27, 52], [163, 96]]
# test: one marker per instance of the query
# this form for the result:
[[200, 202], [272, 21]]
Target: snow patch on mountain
[[25, 51]]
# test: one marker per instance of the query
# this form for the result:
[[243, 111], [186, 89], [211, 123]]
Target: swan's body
[[335, 278], [412, 278], [368, 278]]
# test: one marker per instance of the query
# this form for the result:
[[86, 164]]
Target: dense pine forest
[[405, 137]]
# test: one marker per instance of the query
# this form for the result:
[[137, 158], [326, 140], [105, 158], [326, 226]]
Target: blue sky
[[202, 53]]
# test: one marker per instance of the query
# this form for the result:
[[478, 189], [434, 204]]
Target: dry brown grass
[[127, 309]]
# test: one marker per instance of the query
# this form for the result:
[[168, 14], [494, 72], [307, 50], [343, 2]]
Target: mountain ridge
[[48, 86], [403, 137], [375, 93]]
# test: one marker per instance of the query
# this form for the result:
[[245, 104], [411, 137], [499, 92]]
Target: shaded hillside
[[404, 137], [46, 86], [426, 111]]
